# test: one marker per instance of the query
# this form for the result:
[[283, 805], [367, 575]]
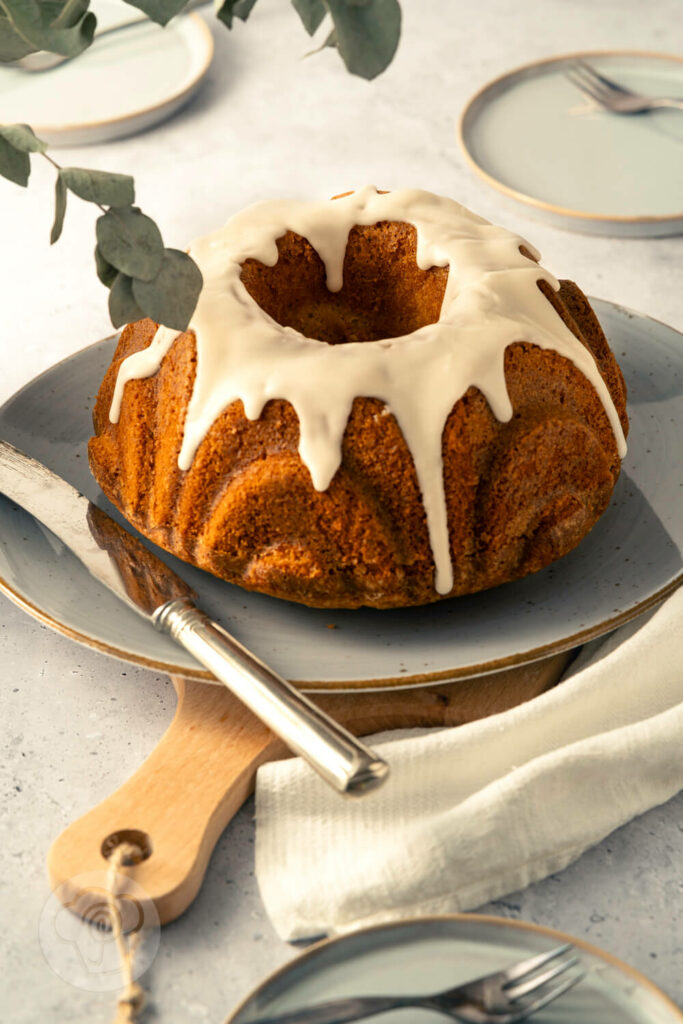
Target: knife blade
[[128, 568]]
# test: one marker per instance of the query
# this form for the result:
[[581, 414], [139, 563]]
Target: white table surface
[[267, 123]]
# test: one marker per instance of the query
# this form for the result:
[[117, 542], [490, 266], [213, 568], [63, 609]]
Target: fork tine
[[607, 82], [583, 86], [587, 85], [525, 967], [549, 997], [523, 988]]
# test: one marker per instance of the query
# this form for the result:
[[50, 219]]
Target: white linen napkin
[[472, 813]]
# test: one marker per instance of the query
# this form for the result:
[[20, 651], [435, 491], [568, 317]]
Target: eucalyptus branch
[[143, 276], [365, 32]]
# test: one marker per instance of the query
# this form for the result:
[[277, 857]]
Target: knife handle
[[339, 758]]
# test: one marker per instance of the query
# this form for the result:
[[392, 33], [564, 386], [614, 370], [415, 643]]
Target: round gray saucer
[[428, 955]]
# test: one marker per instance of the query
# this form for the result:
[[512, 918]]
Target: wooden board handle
[[204, 767], [181, 798]]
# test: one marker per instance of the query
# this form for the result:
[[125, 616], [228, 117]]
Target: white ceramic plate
[[431, 954], [535, 137], [125, 82], [629, 561]]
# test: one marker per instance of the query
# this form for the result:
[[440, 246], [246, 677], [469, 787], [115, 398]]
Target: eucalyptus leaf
[[38, 23], [105, 271], [23, 138], [66, 12], [171, 297], [60, 209], [102, 187], [367, 33], [230, 9], [14, 165], [311, 13], [160, 11], [123, 309], [130, 241], [12, 45]]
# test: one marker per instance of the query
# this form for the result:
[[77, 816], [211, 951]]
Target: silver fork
[[503, 997], [612, 96]]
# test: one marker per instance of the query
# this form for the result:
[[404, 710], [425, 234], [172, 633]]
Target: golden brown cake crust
[[519, 494]]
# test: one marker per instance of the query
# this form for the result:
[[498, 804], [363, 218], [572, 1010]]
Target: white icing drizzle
[[491, 300]]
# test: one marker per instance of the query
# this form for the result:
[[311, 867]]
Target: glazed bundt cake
[[381, 400]]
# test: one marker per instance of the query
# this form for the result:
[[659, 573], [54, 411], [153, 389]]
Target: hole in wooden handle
[[134, 837]]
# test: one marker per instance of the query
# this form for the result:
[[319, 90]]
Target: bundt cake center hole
[[385, 294]]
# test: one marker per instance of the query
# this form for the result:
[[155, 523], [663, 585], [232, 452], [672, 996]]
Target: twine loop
[[132, 1000]]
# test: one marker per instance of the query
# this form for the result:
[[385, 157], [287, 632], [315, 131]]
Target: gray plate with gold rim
[[533, 136], [126, 82], [434, 953], [629, 561]]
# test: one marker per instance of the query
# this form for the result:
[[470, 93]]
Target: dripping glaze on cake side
[[492, 300]]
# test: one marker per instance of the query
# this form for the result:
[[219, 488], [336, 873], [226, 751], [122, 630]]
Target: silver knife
[[134, 573]]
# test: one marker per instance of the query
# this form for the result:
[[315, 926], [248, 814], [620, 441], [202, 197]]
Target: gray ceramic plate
[[430, 954], [628, 562], [533, 135], [126, 82]]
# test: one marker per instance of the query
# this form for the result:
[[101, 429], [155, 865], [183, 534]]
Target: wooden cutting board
[[203, 769]]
